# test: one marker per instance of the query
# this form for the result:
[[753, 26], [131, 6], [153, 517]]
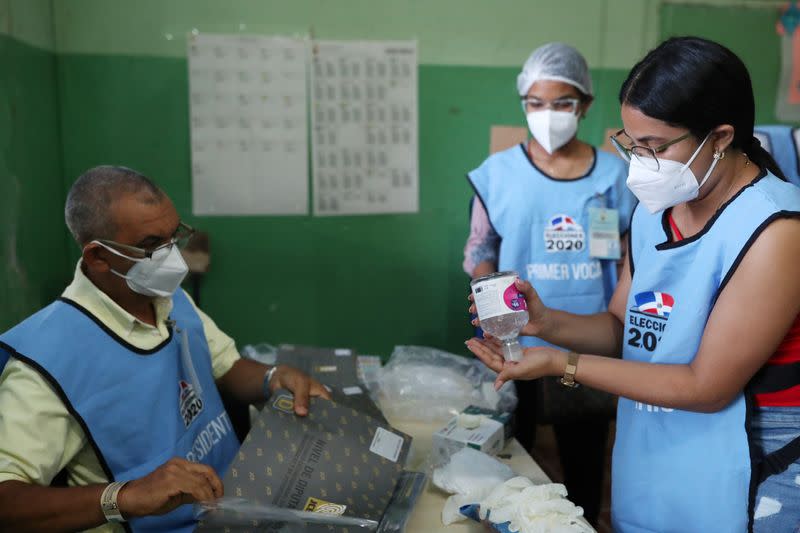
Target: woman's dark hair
[[698, 84]]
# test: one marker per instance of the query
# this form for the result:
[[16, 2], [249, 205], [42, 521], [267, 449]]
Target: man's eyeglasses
[[531, 104], [180, 238], [644, 154]]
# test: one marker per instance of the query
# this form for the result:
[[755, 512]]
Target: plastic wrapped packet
[[470, 476], [424, 384], [369, 369], [262, 352], [471, 472], [240, 512]]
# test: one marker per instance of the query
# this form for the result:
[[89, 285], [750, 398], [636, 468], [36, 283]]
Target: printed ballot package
[[337, 461]]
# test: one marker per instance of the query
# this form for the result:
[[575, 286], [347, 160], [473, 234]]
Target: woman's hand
[[537, 312], [535, 363]]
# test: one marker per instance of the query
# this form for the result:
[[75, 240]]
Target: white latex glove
[[533, 508], [450, 511]]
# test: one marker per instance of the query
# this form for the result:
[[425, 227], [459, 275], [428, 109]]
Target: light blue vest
[[782, 142], [138, 408], [544, 226], [673, 470]]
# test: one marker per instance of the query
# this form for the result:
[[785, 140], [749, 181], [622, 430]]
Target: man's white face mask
[[159, 275]]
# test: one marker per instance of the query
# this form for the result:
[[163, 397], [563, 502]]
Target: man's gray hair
[[89, 201]]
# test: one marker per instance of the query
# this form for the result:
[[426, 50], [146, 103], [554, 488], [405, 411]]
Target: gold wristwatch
[[569, 372]]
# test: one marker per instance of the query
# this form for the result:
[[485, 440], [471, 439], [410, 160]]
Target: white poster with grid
[[249, 116], [364, 127]]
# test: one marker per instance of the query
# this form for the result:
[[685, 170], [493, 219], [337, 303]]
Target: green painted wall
[[370, 282], [33, 264], [28, 21], [748, 32]]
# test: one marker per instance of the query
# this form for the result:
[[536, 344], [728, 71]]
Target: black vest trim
[[113, 335]]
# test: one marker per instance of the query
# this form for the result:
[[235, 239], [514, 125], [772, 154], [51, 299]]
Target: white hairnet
[[557, 62]]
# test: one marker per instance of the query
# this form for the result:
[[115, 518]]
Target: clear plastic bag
[[469, 475], [229, 511], [262, 352], [423, 384], [470, 471]]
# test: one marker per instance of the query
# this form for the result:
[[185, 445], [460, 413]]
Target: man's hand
[[245, 383], [300, 385], [172, 484]]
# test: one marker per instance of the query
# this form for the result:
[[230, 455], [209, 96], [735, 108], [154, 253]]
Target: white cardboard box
[[489, 437]]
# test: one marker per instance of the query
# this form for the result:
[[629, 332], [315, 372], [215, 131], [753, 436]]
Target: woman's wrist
[[558, 363], [542, 326]]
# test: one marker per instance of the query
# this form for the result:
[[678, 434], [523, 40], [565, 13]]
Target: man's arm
[[243, 379], [38, 438], [28, 507], [245, 382]]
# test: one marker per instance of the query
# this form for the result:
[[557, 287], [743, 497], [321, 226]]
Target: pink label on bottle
[[514, 299]]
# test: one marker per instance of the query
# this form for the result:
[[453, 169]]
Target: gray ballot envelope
[[337, 460], [335, 367]]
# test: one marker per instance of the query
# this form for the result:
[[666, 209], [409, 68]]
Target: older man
[[116, 382]]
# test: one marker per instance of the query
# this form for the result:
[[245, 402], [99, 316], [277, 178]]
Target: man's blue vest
[[138, 408]]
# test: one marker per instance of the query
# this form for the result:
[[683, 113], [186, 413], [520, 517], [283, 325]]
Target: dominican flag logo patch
[[190, 403], [655, 303], [562, 233], [564, 223]]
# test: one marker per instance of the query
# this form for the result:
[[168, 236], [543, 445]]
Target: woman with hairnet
[[532, 214]]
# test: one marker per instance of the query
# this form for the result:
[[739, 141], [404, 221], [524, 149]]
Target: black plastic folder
[[337, 461], [335, 367]]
